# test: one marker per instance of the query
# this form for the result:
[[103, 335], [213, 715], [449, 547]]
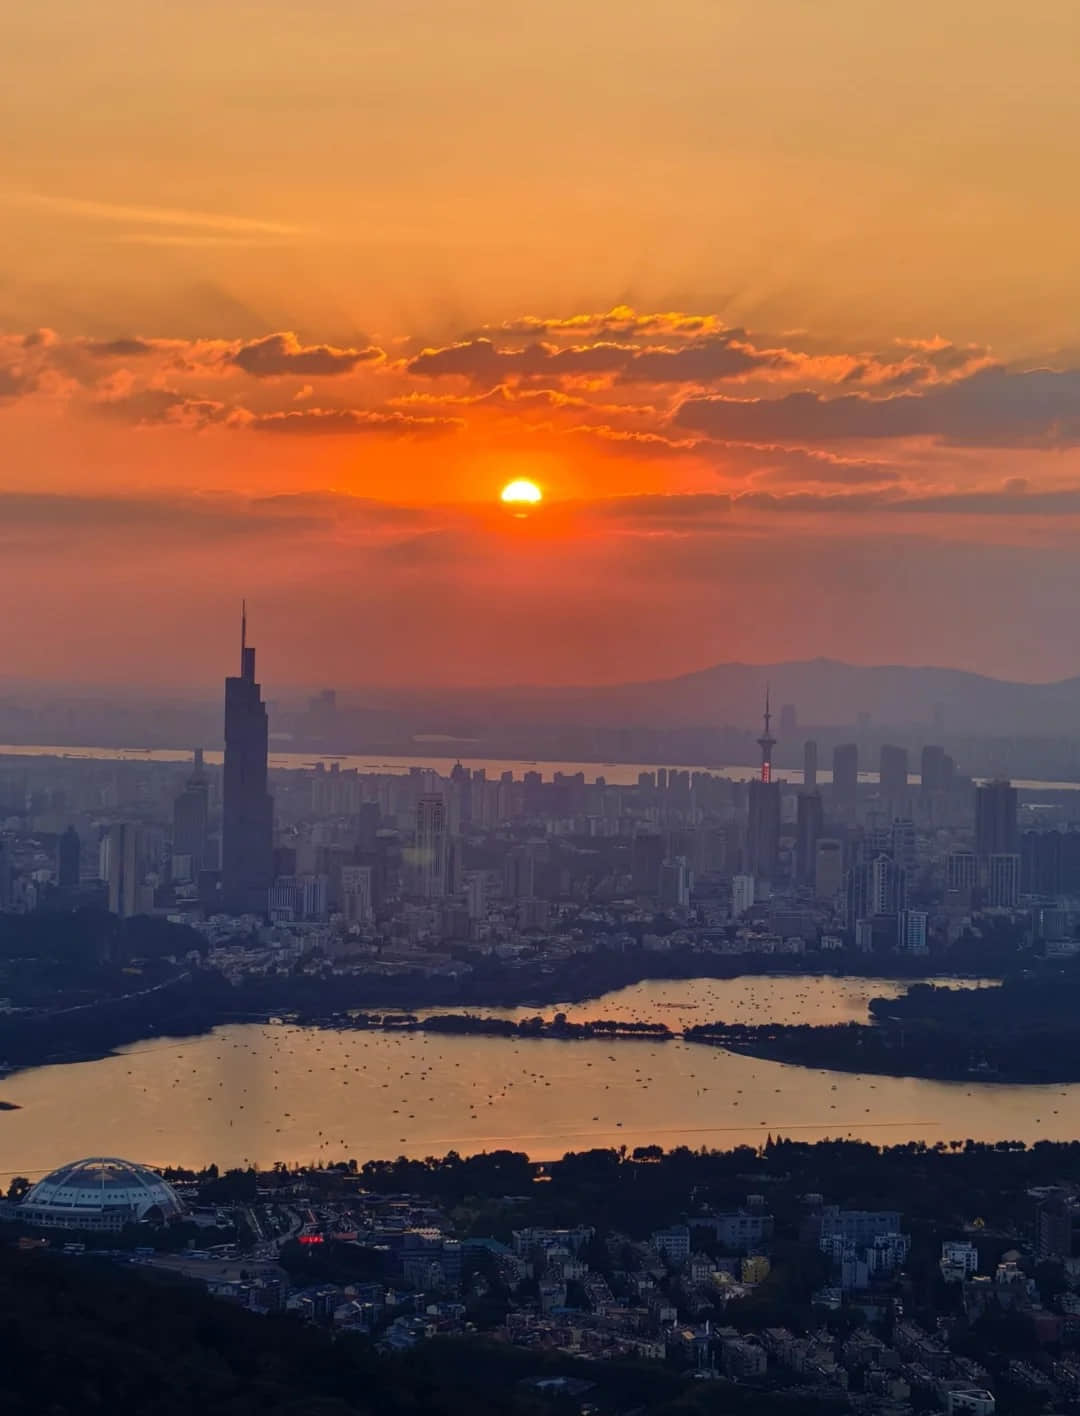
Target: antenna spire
[[243, 632], [766, 742]]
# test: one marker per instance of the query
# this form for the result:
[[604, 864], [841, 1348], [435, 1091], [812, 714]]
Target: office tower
[[893, 775], [519, 873], [937, 770], [357, 894], [808, 824], [247, 845], [1002, 880], [68, 859], [191, 815], [742, 894], [845, 779], [763, 820], [646, 862], [996, 831], [432, 847], [121, 868], [828, 868], [911, 932], [809, 764]]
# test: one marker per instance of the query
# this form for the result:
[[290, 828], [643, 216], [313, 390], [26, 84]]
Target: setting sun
[[521, 491]]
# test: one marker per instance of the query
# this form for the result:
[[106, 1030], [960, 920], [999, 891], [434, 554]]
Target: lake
[[276, 1092]]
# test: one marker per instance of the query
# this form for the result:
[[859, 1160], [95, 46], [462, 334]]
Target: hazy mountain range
[[823, 692]]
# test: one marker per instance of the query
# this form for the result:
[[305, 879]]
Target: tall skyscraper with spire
[[247, 844], [763, 821]]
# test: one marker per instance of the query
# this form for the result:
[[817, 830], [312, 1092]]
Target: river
[[616, 774], [272, 1092]]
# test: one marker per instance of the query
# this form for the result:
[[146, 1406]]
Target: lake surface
[[616, 774], [276, 1092]]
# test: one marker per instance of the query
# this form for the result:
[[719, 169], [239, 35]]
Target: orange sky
[[777, 302]]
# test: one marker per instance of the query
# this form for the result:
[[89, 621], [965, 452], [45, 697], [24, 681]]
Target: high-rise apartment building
[[357, 893], [742, 894], [1002, 880], [937, 770], [191, 817], [911, 932], [828, 868], [646, 861], [519, 873], [893, 775], [808, 826], [996, 829], [121, 868], [247, 845], [809, 765], [961, 870], [845, 782], [68, 859], [432, 847]]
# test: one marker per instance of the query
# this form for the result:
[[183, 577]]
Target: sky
[[777, 302]]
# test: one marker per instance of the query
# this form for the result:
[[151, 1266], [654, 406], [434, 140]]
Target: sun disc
[[521, 491]]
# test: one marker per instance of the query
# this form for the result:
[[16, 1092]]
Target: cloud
[[782, 465], [121, 348], [179, 517], [152, 215], [622, 320], [278, 355], [718, 357], [348, 421], [994, 407], [148, 407]]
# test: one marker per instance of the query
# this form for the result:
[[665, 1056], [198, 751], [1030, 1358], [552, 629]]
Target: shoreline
[[770, 1043]]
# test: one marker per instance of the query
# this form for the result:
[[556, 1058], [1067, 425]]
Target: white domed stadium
[[101, 1193]]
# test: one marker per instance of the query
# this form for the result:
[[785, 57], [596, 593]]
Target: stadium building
[[100, 1194]]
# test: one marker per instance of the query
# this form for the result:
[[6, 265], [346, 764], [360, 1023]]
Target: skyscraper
[[807, 833], [191, 812], [763, 820], [68, 855], [247, 846], [845, 773], [937, 769], [893, 776], [809, 764], [646, 862], [122, 869], [1002, 880], [828, 868], [432, 847], [996, 831]]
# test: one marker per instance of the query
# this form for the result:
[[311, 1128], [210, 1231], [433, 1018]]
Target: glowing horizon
[[794, 361]]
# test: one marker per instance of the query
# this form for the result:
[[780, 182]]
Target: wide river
[[275, 1092], [617, 774]]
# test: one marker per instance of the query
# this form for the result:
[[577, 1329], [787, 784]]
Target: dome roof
[[99, 1185]]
